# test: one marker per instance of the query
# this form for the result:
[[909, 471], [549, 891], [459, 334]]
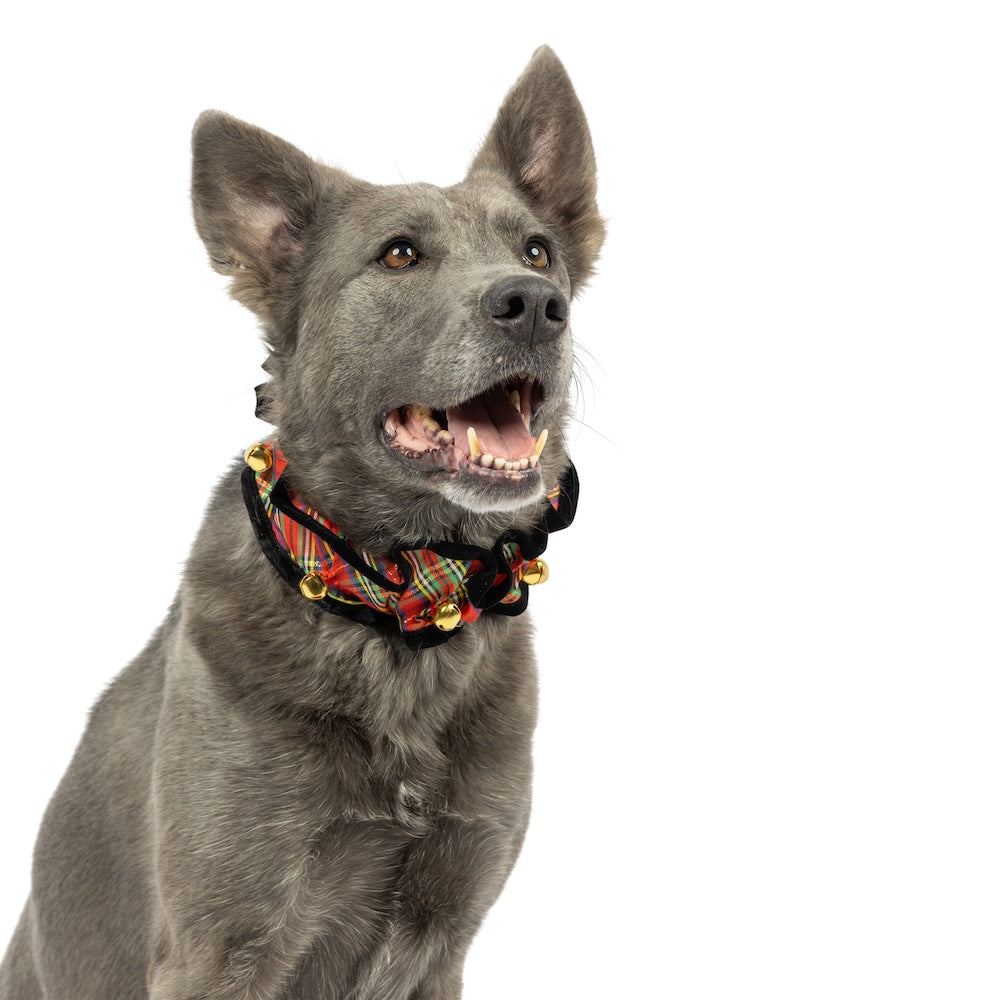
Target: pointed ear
[[540, 141], [254, 195]]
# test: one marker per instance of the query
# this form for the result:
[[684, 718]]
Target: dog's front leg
[[446, 885], [233, 915], [253, 864], [252, 935]]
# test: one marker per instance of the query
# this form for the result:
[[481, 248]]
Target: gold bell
[[448, 617], [258, 458], [537, 571], [313, 586]]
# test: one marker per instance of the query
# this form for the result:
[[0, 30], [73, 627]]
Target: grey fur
[[275, 802]]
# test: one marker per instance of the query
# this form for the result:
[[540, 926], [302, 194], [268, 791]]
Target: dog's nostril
[[515, 306], [554, 311]]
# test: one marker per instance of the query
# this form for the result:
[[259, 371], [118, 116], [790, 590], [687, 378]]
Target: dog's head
[[420, 354]]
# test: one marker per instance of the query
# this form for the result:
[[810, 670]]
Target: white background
[[768, 754]]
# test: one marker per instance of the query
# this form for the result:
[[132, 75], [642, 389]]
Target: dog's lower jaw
[[480, 495]]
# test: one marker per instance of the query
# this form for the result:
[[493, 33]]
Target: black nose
[[527, 307]]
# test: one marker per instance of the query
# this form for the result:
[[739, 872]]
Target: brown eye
[[536, 253], [399, 253]]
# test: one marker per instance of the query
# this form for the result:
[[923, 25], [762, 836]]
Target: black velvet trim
[[481, 591], [569, 496], [281, 500], [514, 608]]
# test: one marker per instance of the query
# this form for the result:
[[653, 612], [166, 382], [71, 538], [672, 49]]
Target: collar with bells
[[424, 594]]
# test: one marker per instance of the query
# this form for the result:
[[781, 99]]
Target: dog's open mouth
[[489, 434]]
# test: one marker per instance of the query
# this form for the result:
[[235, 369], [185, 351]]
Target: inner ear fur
[[541, 143], [254, 195]]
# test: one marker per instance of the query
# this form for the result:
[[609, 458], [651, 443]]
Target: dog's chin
[[487, 494]]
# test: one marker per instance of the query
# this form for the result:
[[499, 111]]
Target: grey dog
[[315, 779]]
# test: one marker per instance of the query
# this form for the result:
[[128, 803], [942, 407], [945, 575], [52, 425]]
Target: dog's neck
[[425, 594]]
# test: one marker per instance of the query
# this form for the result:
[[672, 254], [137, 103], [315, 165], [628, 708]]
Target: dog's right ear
[[254, 195], [540, 141]]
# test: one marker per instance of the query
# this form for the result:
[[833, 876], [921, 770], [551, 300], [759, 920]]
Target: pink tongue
[[499, 426]]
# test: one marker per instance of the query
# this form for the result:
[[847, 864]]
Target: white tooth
[[511, 466], [474, 449], [515, 398], [540, 443], [522, 464], [487, 461], [533, 461]]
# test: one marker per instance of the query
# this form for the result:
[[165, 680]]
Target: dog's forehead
[[472, 211]]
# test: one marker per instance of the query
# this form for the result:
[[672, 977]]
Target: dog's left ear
[[540, 141]]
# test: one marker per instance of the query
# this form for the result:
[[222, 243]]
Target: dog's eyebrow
[[516, 223], [393, 222]]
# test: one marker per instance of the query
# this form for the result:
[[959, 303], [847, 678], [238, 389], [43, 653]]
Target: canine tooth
[[540, 443], [515, 398], [525, 406], [474, 449], [487, 461]]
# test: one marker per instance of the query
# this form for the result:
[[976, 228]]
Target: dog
[[315, 779]]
